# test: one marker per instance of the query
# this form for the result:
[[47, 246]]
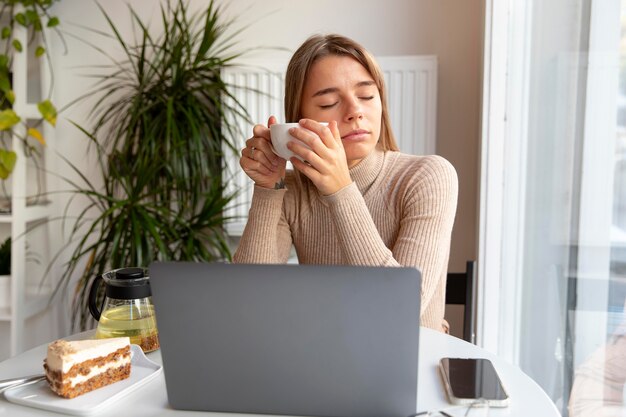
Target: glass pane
[[557, 71], [599, 376], [573, 276], [34, 87]]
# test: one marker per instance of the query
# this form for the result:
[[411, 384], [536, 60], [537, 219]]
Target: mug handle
[[93, 295]]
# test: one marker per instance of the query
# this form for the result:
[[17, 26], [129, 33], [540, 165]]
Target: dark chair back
[[460, 289]]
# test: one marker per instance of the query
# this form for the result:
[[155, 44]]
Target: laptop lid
[[307, 340]]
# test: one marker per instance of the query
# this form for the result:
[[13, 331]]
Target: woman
[[356, 200]]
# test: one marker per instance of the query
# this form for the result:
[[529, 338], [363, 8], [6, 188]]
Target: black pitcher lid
[[129, 273]]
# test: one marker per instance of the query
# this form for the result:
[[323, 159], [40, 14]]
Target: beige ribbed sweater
[[398, 211]]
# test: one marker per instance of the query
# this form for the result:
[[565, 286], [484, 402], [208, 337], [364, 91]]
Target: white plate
[[39, 395]]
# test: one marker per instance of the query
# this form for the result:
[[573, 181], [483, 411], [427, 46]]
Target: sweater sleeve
[[426, 224], [266, 238], [426, 214], [359, 239]]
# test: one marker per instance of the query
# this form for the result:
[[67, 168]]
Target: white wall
[[450, 29]]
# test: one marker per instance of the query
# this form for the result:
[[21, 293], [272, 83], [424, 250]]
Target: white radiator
[[412, 93]]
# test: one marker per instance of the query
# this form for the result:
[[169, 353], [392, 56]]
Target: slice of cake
[[74, 368]]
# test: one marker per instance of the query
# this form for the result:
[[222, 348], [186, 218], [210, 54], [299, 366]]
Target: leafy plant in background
[[161, 125], [33, 15]]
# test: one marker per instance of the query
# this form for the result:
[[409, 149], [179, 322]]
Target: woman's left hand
[[326, 164]]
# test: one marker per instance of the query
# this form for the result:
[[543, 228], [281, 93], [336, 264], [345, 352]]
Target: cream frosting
[[62, 354], [97, 370]]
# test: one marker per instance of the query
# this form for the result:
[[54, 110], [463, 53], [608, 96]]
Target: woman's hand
[[326, 164], [258, 161]]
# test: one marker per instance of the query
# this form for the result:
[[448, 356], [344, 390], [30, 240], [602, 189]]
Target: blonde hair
[[319, 46]]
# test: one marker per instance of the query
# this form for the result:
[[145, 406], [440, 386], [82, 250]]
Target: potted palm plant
[[160, 129]]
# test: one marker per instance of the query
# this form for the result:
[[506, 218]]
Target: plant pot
[[5, 291]]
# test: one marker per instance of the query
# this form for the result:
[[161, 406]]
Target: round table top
[[526, 397]]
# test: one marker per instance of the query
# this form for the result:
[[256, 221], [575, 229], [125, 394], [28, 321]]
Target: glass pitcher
[[127, 308]]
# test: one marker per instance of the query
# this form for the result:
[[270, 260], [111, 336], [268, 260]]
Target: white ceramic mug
[[279, 133]]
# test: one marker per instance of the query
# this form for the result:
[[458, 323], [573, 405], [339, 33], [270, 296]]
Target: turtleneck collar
[[365, 172]]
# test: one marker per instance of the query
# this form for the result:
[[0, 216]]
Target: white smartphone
[[469, 380]]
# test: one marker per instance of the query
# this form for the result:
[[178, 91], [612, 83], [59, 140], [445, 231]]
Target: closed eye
[[328, 106], [367, 98]]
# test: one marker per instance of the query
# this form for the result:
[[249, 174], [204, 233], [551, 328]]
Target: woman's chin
[[357, 153], [352, 162]]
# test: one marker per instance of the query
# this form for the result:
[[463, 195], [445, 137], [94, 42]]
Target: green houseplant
[[160, 130]]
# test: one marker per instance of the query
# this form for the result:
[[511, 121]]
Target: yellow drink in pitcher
[[136, 322]]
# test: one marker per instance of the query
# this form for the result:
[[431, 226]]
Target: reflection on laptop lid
[[309, 340]]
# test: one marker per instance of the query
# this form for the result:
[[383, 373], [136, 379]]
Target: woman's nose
[[355, 116], [354, 111]]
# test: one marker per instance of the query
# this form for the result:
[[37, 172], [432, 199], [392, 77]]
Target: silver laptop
[[303, 340]]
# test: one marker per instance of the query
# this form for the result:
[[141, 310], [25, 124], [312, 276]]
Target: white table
[[526, 397]]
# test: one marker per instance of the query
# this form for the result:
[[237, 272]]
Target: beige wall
[[458, 44]]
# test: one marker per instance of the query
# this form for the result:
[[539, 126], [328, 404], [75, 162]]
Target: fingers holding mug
[[258, 160], [259, 149], [251, 164], [251, 152]]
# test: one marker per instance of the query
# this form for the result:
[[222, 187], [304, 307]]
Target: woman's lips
[[358, 134]]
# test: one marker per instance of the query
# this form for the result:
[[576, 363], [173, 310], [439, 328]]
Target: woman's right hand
[[258, 161]]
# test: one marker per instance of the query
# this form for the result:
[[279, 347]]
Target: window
[[552, 261]]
